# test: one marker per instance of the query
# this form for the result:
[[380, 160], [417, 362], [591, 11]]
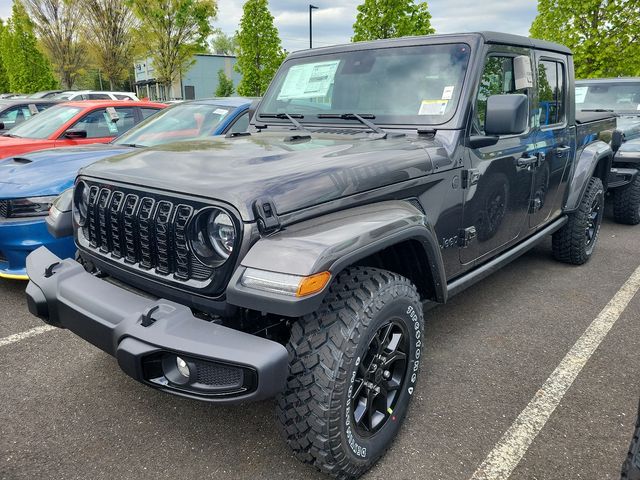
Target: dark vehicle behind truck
[[295, 261], [619, 97]]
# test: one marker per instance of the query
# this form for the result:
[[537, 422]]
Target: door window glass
[[551, 92], [241, 124], [98, 124], [497, 79]]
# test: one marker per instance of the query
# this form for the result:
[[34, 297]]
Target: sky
[[332, 22]]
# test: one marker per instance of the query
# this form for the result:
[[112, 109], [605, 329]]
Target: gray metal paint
[[585, 165]]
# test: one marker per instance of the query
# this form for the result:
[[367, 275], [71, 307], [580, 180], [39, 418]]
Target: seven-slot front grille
[[144, 230]]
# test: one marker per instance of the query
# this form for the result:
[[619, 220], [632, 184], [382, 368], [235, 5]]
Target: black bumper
[[619, 177], [146, 335]]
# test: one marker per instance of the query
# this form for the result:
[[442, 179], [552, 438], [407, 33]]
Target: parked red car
[[75, 123]]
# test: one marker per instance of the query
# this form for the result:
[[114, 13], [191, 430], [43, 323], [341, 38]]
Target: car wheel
[[353, 370], [575, 242], [626, 203]]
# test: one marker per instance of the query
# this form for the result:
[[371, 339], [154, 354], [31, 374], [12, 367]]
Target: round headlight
[[213, 236], [222, 233], [81, 203]]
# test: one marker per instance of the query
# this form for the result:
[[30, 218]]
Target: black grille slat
[[4, 209], [148, 231]]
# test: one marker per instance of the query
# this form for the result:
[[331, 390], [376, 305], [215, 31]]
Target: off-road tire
[[626, 203], [326, 350], [631, 465], [569, 243]]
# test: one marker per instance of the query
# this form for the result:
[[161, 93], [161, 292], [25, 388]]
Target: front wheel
[[574, 243], [626, 203], [353, 370]]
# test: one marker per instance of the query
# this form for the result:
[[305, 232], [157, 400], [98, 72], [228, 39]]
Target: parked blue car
[[29, 183]]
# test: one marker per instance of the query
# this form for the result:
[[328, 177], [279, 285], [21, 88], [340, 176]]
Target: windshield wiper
[[11, 135], [286, 116], [362, 118], [133, 145]]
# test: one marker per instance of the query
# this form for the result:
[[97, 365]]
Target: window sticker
[[447, 93], [581, 93], [309, 81], [433, 107], [220, 111], [113, 128]]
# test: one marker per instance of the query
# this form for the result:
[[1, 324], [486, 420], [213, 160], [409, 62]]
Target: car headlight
[[80, 203], [213, 236], [29, 207]]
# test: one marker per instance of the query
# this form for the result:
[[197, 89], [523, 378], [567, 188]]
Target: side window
[[126, 119], [551, 92], [98, 123], [99, 96], [43, 106], [147, 112], [497, 79], [14, 116], [241, 124]]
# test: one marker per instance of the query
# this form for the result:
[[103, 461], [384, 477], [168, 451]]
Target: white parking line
[[24, 335], [508, 452]]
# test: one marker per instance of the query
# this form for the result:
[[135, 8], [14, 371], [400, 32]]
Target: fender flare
[[584, 168], [332, 243]]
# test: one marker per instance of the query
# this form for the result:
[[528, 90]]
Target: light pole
[[311, 9]]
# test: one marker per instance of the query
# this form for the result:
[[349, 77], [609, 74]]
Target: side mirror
[[617, 139], [74, 134], [60, 219], [507, 114], [2, 126]]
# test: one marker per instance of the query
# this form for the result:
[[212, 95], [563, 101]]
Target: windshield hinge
[[265, 212], [470, 177]]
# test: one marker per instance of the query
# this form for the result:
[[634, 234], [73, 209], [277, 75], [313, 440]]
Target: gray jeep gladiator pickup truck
[[295, 260], [619, 97]]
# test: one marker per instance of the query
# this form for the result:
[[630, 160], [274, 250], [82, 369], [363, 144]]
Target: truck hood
[[49, 172], [294, 174]]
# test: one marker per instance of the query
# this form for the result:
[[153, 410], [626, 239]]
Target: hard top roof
[[586, 81], [471, 38]]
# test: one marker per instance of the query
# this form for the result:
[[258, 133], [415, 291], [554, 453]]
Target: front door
[[498, 189], [554, 143]]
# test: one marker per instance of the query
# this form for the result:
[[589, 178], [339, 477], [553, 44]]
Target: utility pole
[[311, 9]]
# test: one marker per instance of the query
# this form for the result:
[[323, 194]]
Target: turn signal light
[[313, 284]]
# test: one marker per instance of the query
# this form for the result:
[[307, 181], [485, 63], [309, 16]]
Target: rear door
[[497, 189], [554, 142]]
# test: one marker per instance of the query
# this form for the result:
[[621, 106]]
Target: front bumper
[[142, 333], [18, 238], [619, 176]]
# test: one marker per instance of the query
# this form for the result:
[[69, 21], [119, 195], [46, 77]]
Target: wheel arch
[[594, 160], [370, 235]]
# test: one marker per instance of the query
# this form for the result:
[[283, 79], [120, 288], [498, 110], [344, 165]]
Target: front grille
[[4, 208], [143, 230]]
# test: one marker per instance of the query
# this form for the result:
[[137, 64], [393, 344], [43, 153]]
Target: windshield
[[185, 121], [619, 97], [400, 85], [46, 123]]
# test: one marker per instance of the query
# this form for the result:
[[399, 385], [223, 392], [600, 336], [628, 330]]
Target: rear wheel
[[631, 466], [353, 370], [626, 203], [574, 243]]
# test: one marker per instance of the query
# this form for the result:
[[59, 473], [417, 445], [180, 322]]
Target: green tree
[[259, 48], [109, 28], [603, 34], [378, 19], [58, 27], [223, 44], [173, 31], [27, 69], [4, 80], [225, 85]]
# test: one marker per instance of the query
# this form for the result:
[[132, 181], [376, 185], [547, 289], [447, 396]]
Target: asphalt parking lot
[[67, 412]]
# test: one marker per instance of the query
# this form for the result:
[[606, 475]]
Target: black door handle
[[562, 151]]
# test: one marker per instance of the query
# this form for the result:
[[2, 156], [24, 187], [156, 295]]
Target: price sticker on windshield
[[433, 107], [581, 94], [309, 81]]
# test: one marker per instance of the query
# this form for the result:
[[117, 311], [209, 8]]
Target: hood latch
[[265, 212]]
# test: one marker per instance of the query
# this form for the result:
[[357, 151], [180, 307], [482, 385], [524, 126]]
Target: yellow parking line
[[13, 277]]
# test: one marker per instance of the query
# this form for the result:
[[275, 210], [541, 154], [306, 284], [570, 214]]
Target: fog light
[[183, 368]]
